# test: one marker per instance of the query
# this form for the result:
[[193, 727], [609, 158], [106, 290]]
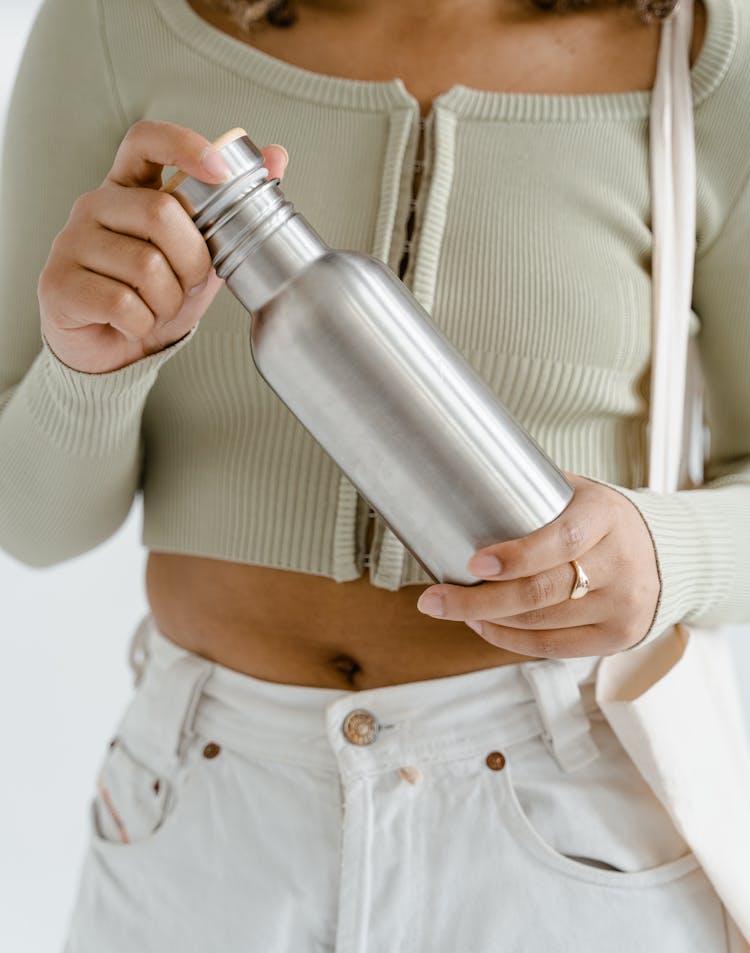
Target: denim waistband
[[180, 694]]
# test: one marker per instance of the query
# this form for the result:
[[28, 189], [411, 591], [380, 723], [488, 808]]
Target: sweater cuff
[[695, 564], [90, 414]]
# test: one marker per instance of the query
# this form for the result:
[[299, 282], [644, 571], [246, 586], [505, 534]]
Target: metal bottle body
[[356, 358]]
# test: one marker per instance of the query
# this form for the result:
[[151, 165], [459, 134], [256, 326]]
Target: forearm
[[70, 455]]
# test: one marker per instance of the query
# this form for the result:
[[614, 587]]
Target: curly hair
[[283, 13]]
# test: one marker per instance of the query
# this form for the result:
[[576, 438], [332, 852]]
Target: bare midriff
[[305, 629]]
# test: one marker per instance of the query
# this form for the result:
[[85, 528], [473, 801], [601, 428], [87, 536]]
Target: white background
[[65, 680], [64, 683]]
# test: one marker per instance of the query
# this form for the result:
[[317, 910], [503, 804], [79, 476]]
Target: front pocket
[[136, 799], [592, 864]]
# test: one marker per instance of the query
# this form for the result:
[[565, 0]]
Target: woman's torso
[[307, 629]]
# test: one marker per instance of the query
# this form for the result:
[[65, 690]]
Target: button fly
[[360, 727]]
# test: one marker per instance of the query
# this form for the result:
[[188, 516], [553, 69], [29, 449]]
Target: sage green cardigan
[[531, 250]]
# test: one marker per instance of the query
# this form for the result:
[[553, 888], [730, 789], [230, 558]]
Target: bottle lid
[[201, 200]]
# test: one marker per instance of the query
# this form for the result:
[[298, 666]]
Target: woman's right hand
[[130, 273]]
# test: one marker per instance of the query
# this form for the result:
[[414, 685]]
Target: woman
[[309, 763]]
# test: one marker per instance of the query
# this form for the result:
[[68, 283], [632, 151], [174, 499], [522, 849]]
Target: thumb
[[149, 145], [277, 159]]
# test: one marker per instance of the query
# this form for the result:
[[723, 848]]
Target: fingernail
[[431, 603], [484, 565], [275, 145], [476, 626], [197, 289], [213, 162]]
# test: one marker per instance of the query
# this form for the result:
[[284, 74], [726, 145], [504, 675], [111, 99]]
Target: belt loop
[[180, 691], [168, 694], [138, 649], [567, 733]]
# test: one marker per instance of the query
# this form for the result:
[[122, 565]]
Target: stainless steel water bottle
[[355, 357]]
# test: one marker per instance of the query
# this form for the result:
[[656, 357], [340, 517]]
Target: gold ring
[[582, 585]]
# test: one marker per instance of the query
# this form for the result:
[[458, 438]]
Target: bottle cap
[[201, 200]]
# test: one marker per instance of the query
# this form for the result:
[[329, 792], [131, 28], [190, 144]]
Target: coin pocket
[[131, 799]]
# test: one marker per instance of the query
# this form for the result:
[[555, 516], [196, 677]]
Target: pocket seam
[[177, 783], [509, 809]]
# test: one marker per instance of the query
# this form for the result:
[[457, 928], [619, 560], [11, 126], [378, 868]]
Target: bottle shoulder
[[337, 282], [350, 260]]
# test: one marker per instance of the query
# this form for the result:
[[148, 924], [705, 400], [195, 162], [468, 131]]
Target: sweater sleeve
[[70, 443], [702, 536]]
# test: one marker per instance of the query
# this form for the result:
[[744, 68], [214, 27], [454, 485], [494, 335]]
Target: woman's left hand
[[525, 606]]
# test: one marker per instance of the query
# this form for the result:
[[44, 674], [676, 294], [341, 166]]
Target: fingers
[[564, 615], [144, 242], [140, 265], [579, 642], [583, 523], [149, 145], [526, 607], [276, 162], [130, 255], [85, 298], [153, 217], [502, 599]]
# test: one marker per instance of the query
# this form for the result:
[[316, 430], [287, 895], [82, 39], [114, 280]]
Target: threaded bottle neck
[[250, 227]]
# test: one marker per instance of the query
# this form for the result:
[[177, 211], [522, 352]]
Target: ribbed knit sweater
[[531, 251]]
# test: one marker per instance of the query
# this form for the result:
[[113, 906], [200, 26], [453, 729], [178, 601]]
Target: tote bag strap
[[675, 415]]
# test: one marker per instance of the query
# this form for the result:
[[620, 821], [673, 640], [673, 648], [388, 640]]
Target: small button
[[211, 750], [495, 760], [411, 774], [360, 727]]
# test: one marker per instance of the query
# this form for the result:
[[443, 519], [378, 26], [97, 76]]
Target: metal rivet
[[495, 760], [211, 750], [360, 727]]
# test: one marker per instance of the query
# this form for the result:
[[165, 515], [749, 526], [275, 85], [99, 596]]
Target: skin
[[524, 603], [118, 284], [129, 273]]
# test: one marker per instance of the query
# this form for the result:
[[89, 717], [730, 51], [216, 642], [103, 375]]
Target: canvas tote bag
[[674, 702]]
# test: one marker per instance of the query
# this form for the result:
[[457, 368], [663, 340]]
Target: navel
[[348, 667]]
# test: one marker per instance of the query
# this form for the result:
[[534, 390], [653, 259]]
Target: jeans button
[[360, 727], [495, 760]]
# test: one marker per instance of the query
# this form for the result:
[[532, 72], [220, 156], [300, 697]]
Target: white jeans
[[493, 811]]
